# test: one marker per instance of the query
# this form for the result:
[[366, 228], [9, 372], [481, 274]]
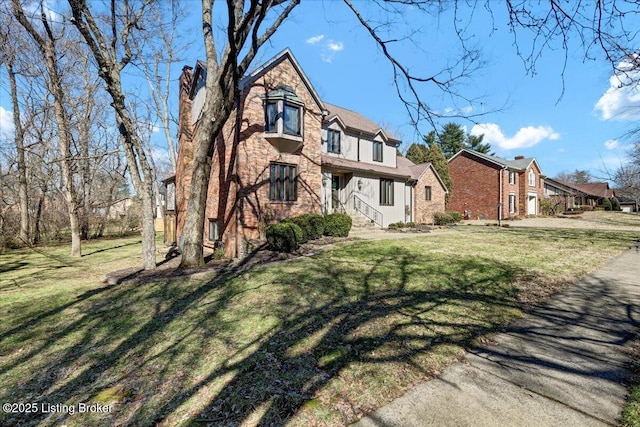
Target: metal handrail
[[367, 210]]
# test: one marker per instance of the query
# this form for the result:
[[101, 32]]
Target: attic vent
[[519, 157]]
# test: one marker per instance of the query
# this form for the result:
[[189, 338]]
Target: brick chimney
[[519, 157]]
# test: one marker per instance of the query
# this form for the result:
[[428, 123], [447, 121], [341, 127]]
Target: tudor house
[[489, 187], [284, 152]]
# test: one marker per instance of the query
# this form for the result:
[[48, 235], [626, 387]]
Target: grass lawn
[[316, 341]]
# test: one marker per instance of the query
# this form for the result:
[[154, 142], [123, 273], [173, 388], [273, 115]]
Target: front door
[[532, 205], [335, 193]]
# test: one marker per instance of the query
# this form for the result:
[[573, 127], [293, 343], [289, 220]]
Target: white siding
[[370, 194], [350, 143]]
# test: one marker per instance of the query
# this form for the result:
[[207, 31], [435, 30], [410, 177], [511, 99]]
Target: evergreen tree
[[417, 153], [474, 142], [451, 139], [440, 164], [615, 204]]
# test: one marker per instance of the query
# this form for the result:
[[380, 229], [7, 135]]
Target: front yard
[[315, 341]]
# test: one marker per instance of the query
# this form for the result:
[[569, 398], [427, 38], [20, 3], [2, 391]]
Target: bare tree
[[48, 46], [23, 197], [600, 27], [112, 48], [160, 53], [627, 176]]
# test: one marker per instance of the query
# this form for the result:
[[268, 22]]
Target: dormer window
[[284, 119], [377, 151], [333, 141]]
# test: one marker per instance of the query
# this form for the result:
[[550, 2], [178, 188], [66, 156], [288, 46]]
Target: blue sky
[[532, 115], [580, 127]]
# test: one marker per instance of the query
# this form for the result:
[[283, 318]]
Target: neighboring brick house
[[494, 188], [285, 152]]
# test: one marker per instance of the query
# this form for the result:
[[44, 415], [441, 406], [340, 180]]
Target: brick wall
[[525, 188], [246, 160], [424, 209], [475, 186]]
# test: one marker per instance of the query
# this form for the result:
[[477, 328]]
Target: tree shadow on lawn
[[332, 315]]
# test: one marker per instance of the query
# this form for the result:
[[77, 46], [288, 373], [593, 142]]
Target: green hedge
[[284, 236], [446, 218], [337, 225], [312, 226]]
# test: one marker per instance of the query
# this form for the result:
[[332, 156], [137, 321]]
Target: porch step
[[360, 221]]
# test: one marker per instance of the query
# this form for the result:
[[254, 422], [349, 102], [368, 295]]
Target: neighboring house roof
[[560, 185], [356, 122], [353, 165], [594, 189], [599, 189], [518, 164]]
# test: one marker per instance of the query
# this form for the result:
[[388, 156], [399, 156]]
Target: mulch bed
[[170, 267]]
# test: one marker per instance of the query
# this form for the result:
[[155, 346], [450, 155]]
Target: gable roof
[[286, 54], [416, 171], [357, 122], [519, 165]]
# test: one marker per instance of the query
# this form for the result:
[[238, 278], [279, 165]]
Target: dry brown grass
[[315, 341]]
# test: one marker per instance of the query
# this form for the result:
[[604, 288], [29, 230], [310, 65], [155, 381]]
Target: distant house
[[627, 204], [494, 188], [285, 152], [594, 192], [589, 194], [562, 196]]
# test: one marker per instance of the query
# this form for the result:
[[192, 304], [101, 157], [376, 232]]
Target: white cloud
[[525, 137], [6, 122], [314, 39], [622, 100], [611, 144], [335, 46], [328, 49]]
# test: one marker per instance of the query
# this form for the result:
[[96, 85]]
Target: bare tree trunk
[[23, 197], [102, 45], [192, 250], [38, 220], [47, 47]]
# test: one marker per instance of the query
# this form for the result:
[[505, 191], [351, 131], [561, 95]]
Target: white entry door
[[532, 203]]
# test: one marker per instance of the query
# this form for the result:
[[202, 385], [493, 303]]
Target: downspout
[[358, 145]]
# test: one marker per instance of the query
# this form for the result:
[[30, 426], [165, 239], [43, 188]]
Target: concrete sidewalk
[[563, 364]]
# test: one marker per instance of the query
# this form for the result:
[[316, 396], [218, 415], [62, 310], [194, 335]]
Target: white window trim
[[532, 179]]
